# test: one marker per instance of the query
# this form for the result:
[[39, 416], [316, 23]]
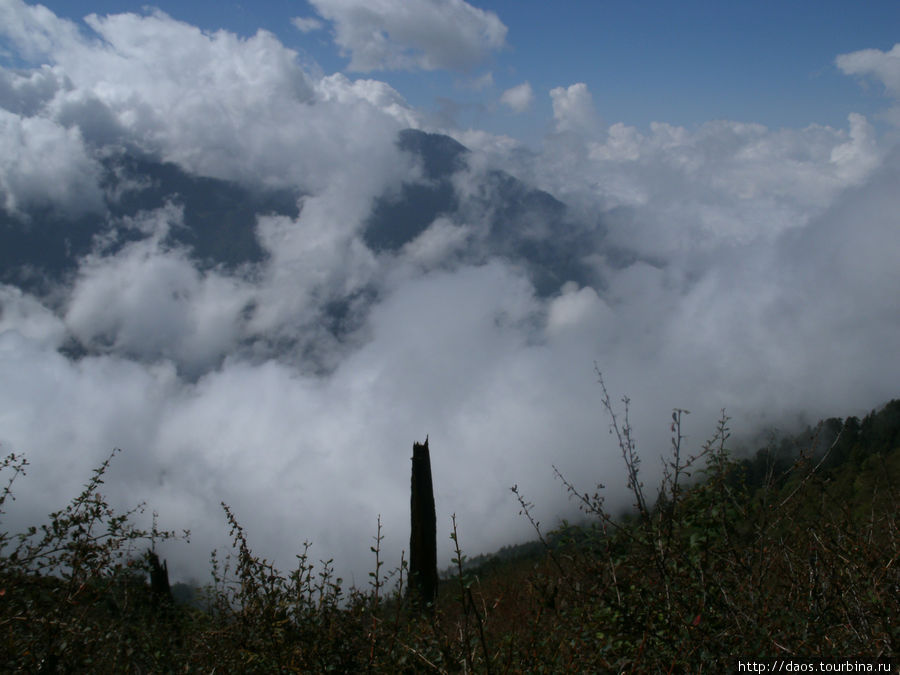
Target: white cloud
[[518, 98], [674, 191], [438, 244], [383, 97], [883, 66], [307, 24], [880, 65], [34, 30], [152, 304], [785, 319], [858, 156], [26, 93], [66, 416], [245, 110], [43, 164], [26, 316], [573, 108], [412, 34]]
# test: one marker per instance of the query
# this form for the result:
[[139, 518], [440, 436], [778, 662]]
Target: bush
[[73, 590], [783, 555]]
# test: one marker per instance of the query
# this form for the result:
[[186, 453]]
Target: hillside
[[790, 552]]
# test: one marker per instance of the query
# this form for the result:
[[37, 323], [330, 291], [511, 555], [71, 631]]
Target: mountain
[[510, 218], [507, 218], [45, 245]]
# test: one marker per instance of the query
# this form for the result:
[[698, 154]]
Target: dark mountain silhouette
[[507, 218], [398, 220], [219, 216], [41, 249], [512, 219], [219, 221]]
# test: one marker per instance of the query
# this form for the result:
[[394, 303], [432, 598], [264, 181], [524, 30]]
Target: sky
[[728, 173], [683, 63]]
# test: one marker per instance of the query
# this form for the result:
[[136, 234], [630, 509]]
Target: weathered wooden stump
[[423, 529], [159, 579]]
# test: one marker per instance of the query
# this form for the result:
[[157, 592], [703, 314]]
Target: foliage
[[71, 590], [783, 553]]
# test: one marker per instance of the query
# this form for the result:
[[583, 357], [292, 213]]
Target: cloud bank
[[729, 265]]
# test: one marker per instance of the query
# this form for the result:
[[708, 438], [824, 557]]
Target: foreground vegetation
[[790, 552]]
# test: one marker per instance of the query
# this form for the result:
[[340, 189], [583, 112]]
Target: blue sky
[[684, 63]]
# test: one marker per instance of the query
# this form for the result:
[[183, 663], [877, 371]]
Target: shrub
[[780, 555]]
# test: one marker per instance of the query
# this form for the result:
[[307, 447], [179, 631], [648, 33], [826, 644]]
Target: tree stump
[[159, 579], [423, 529]]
